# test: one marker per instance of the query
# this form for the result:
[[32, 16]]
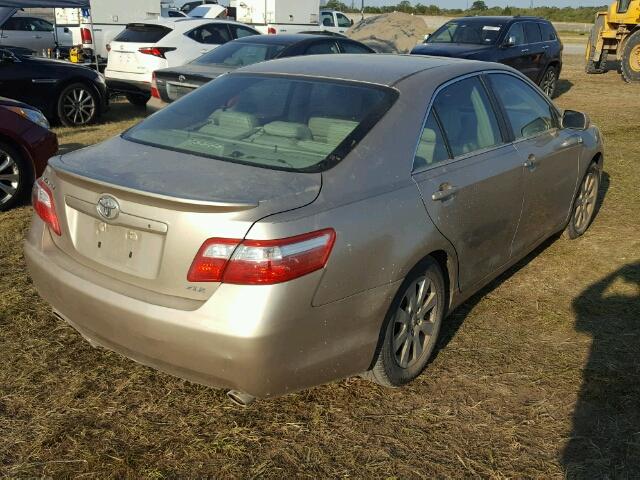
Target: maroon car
[[26, 144]]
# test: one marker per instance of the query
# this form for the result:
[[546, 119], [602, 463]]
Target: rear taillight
[[154, 86], [272, 31], [85, 34], [42, 201], [156, 51], [261, 262]]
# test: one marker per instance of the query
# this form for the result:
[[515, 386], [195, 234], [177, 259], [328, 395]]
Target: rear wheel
[[592, 66], [411, 328], [631, 59], [584, 206], [139, 100], [549, 81], [77, 105], [16, 176]]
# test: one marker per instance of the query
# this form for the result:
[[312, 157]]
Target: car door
[[515, 52], [549, 155], [470, 178], [205, 38], [536, 50], [15, 79]]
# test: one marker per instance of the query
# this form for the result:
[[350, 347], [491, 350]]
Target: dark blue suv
[[528, 44]]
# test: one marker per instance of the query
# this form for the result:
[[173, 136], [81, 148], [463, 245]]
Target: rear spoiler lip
[[57, 166]]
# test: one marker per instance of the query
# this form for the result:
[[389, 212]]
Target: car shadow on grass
[[562, 87], [605, 439]]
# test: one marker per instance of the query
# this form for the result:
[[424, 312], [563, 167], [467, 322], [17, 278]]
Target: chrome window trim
[[513, 142]]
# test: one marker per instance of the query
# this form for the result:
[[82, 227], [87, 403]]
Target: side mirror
[[575, 120], [351, 22], [509, 42], [426, 37]]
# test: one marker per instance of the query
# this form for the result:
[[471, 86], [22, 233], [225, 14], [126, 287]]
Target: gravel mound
[[391, 32]]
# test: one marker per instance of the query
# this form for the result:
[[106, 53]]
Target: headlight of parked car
[[33, 115]]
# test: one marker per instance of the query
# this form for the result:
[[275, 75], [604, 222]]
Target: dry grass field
[[538, 376]]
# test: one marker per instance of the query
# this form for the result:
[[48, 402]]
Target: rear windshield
[[285, 123], [239, 54], [474, 32], [141, 33]]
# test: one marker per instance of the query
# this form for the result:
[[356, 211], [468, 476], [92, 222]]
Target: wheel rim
[[78, 106], [586, 202], [414, 322], [549, 82], [634, 58], [9, 177]]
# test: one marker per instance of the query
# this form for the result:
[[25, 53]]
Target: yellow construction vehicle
[[614, 43]]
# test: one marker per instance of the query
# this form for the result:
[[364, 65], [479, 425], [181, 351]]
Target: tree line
[[556, 14]]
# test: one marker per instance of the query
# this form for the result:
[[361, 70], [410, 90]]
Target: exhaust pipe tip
[[240, 398]]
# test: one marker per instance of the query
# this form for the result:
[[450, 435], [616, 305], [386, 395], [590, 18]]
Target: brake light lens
[[156, 51], [271, 31], [85, 34], [42, 201], [261, 262], [154, 86]]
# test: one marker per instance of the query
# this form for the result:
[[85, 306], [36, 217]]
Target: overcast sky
[[491, 3]]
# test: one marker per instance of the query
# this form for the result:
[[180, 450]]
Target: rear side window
[[466, 115], [322, 48], [432, 147], [548, 32], [211, 34], [285, 123], [527, 111], [142, 33], [532, 32], [327, 19], [352, 47], [238, 31]]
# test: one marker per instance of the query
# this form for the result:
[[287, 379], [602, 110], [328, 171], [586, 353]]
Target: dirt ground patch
[[390, 33], [538, 376]]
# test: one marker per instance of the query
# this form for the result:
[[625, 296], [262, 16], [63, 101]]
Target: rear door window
[[211, 34], [322, 47], [527, 111], [467, 117], [352, 47], [532, 32], [142, 33], [238, 31], [326, 19], [432, 147]]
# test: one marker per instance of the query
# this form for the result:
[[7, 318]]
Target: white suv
[[144, 47]]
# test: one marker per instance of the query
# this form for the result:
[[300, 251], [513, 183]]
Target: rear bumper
[[154, 104], [263, 340], [129, 86]]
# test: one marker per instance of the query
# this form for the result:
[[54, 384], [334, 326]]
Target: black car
[[528, 44], [71, 94], [173, 83]]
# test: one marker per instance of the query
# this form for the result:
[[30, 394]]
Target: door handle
[[38, 37], [546, 47], [524, 50], [531, 162], [444, 192], [4, 36]]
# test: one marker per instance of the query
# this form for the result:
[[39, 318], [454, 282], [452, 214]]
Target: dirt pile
[[390, 33]]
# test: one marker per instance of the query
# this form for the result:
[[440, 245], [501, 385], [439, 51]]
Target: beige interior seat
[[327, 134], [231, 125], [282, 134]]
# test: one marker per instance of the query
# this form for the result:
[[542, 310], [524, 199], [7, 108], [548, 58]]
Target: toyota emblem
[[108, 207]]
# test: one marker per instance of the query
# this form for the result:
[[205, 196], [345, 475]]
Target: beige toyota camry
[[307, 219]]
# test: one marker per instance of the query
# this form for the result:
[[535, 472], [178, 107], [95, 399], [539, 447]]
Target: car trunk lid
[[125, 55], [173, 84], [160, 207]]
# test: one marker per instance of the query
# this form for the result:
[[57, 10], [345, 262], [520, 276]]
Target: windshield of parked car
[[239, 54], [271, 121], [473, 32]]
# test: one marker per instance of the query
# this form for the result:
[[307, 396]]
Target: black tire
[[549, 81], [78, 105], [585, 205], [139, 100], [591, 66], [630, 64], [387, 369], [14, 190]]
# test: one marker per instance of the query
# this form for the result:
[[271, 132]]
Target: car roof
[[284, 39], [497, 18], [381, 69], [183, 23]]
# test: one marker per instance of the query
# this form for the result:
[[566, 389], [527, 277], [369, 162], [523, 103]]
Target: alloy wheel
[[78, 106], [586, 202], [9, 177], [414, 322], [549, 82]]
